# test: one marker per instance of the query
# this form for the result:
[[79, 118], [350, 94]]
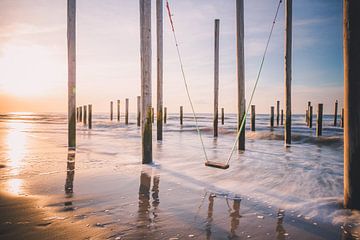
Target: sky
[[33, 54]]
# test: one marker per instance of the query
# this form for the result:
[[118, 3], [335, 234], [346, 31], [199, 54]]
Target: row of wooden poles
[[351, 37]]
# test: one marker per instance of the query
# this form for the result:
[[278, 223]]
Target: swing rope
[[252, 93]]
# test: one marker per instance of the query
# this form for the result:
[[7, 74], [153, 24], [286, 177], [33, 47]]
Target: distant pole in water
[[90, 116], [145, 53], [159, 39], [310, 116], [342, 118], [240, 66], [138, 111], [336, 113], [282, 117], [118, 110], [277, 113], [222, 116], [272, 116], [351, 55], [77, 114], [71, 47], [80, 114], [253, 118], [307, 117], [181, 115], [85, 115], [319, 120], [152, 115], [126, 111], [165, 114], [288, 53], [111, 110], [216, 77]]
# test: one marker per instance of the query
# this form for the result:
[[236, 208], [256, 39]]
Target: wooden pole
[[282, 117], [165, 114], [240, 66], [126, 111], [277, 113], [85, 115], [342, 118], [145, 53], [253, 118], [310, 116], [71, 47], [351, 104], [90, 116], [307, 117], [159, 38], [336, 113], [152, 115], [222, 116], [118, 110], [216, 77], [319, 120], [111, 110], [272, 116], [138, 111], [288, 51], [181, 115], [80, 116], [77, 114]]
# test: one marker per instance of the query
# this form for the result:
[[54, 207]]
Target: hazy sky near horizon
[[33, 54]]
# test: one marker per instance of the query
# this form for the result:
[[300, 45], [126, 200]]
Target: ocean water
[[283, 192]]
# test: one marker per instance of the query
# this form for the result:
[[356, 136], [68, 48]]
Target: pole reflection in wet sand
[[69, 182], [235, 217]]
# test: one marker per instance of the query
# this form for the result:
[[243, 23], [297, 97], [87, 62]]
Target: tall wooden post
[[152, 115], [126, 111], [351, 104], [181, 115], [118, 110], [288, 51], [336, 113], [277, 113], [319, 120], [222, 116], [307, 113], [165, 114], [71, 47], [216, 77], [90, 116], [138, 111], [145, 53], [272, 116], [342, 118], [77, 114], [159, 40], [85, 114], [80, 116], [282, 117], [253, 118], [111, 110], [310, 116], [240, 66]]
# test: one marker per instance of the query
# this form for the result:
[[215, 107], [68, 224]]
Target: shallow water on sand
[[269, 191]]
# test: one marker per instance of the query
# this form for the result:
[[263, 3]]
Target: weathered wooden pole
[[351, 103], [80, 116], [77, 114], [282, 117], [253, 118], [71, 47], [165, 114], [111, 110], [222, 116], [319, 120], [336, 113], [118, 110], [152, 115], [277, 113], [126, 111], [216, 77], [272, 116], [307, 117], [310, 116], [240, 67], [181, 115], [145, 53], [159, 40], [90, 116], [138, 111], [288, 51], [342, 118], [85, 115]]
